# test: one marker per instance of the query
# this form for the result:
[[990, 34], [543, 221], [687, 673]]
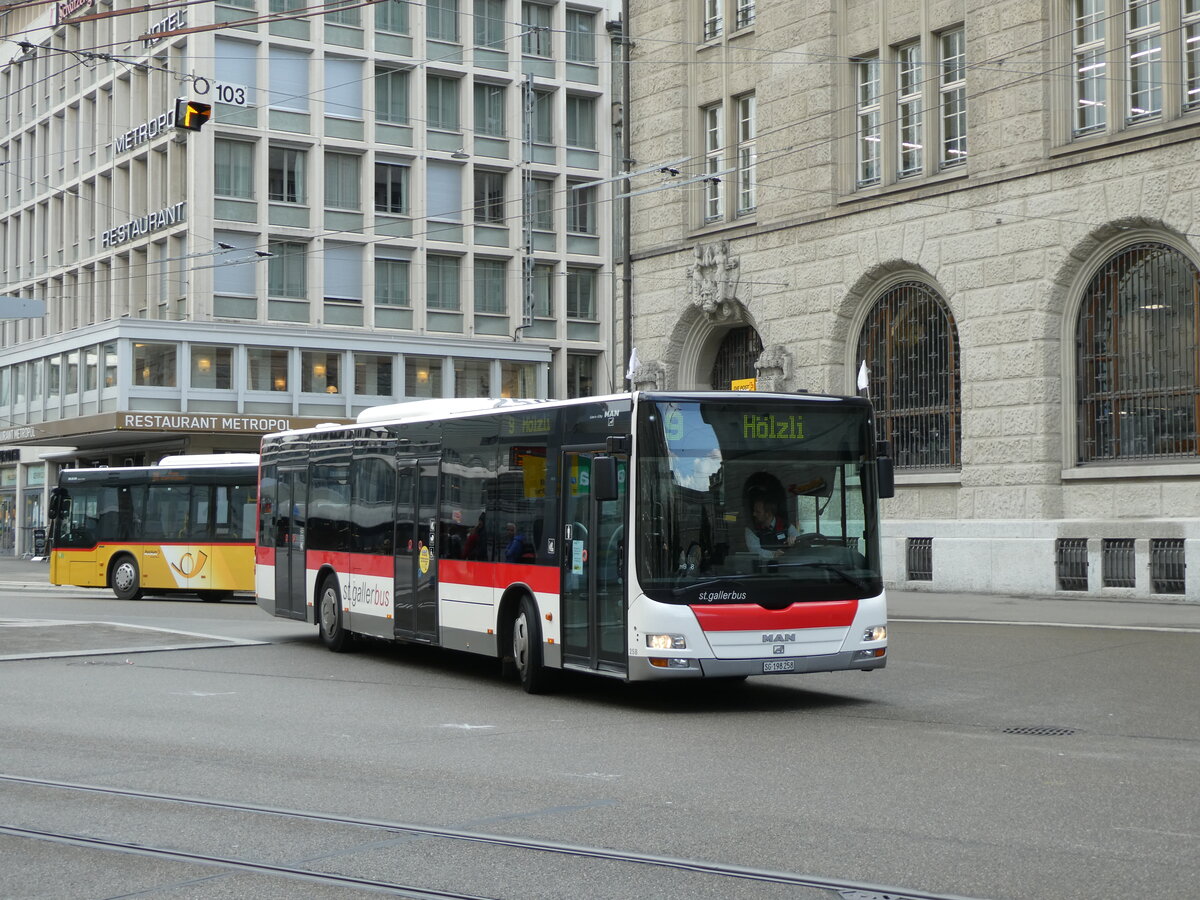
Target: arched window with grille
[[910, 345], [1138, 353], [736, 357]]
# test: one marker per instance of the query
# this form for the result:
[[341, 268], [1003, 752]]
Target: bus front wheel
[[126, 578], [527, 650], [333, 633]]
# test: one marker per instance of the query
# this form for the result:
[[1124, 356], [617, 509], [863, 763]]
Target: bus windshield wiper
[[835, 569]]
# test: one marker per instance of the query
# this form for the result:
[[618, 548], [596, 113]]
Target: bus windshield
[[756, 501]]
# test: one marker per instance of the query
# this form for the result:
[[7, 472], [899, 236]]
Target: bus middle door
[[416, 550], [593, 567]]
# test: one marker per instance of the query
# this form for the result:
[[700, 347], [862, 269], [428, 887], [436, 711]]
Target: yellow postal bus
[[186, 525]]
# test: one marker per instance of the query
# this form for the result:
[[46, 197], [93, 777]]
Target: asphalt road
[[987, 761]]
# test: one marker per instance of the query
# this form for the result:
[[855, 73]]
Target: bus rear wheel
[[125, 578], [527, 650], [329, 610]]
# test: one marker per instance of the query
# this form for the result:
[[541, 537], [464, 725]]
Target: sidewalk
[[17, 574]]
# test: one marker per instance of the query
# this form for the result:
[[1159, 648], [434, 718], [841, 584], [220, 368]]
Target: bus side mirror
[[885, 477], [55, 508], [604, 478]]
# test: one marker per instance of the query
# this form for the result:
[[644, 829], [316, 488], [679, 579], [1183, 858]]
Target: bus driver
[[768, 532]]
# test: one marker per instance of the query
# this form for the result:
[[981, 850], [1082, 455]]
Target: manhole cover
[[1042, 730]]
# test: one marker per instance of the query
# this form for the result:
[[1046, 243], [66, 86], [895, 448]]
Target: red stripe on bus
[[543, 579], [752, 617]]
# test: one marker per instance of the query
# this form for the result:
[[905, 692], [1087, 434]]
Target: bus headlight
[[666, 642], [875, 633]]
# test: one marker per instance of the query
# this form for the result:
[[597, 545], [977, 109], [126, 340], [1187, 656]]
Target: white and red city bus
[[639, 536]]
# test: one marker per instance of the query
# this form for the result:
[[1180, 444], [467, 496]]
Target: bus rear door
[[416, 550], [593, 567]]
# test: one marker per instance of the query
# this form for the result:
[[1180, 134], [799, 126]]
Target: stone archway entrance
[[736, 357]]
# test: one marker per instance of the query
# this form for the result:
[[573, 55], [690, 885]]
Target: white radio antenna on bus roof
[[437, 408]]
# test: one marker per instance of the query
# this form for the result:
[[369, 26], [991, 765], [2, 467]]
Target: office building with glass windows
[[389, 201], [983, 218]]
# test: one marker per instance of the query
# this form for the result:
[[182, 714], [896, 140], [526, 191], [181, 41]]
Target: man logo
[[777, 638]]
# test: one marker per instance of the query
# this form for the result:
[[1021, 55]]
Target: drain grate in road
[[1041, 730]]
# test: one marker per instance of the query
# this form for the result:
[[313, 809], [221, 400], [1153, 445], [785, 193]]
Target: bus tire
[[125, 578], [329, 611], [527, 650]]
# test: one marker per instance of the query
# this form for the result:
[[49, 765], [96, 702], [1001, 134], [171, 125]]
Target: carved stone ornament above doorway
[[713, 280]]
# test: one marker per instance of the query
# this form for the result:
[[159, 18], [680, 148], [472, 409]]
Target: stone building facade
[[989, 212]]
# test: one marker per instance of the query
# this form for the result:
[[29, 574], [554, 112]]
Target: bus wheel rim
[[521, 641]]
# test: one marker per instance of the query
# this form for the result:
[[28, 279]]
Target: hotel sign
[[135, 228]]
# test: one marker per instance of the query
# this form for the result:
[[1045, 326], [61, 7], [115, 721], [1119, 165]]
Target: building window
[[442, 282], [714, 146], [581, 375], [422, 376], [373, 375], [154, 365], [1138, 341], [490, 295], [952, 86], [581, 122], [343, 88], [391, 189], [343, 181], [489, 110], [745, 14], [543, 291], [542, 200], [518, 379], [442, 102], [746, 153], [489, 197], [266, 369], [581, 209], [909, 343], [869, 137], [391, 96], [392, 16], [320, 372], [391, 282], [212, 367], [233, 174], [286, 177], [535, 26], [489, 24], [581, 36], [287, 269], [343, 272], [714, 23], [543, 117], [441, 20], [581, 294], [288, 82], [908, 110], [1090, 67], [344, 12]]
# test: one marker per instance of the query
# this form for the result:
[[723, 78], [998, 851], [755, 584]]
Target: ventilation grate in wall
[[918, 554], [1117, 562], [1071, 564]]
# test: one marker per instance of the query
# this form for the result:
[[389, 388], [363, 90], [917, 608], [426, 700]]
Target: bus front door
[[291, 591], [593, 568], [416, 550]]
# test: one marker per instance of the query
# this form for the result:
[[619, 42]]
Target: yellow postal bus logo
[[190, 566]]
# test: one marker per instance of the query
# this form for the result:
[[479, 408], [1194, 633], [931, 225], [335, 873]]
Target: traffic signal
[[191, 115]]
